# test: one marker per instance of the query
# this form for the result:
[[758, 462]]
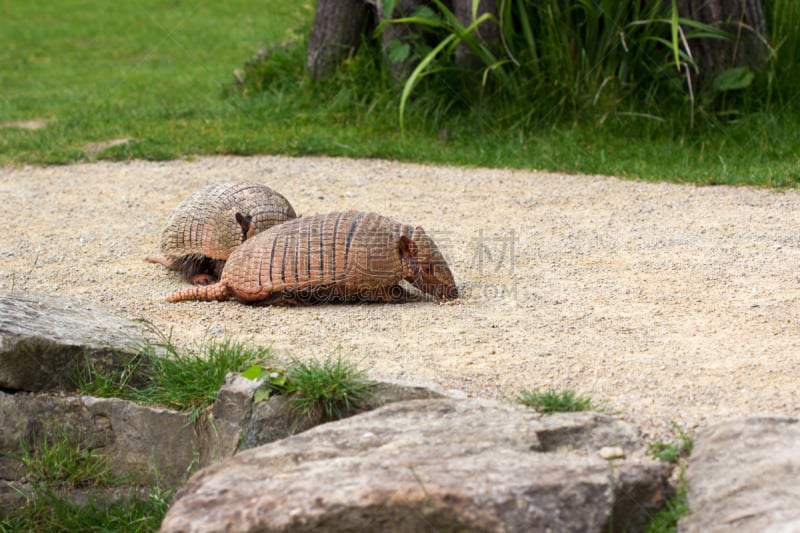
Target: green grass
[[189, 379], [666, 520], [55, 468], [673, 450], [149, 70], [326, 389], [329, 389], [554, 401], [185, 380], [676, 507], [162, 74], [57, 462]]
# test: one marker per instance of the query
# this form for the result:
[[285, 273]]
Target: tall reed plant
[[569, 58], [783, 76]]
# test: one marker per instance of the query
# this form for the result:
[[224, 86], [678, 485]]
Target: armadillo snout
[[441, 291], [430, 271], [437, 281]]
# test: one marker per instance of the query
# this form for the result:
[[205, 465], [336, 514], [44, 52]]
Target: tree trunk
[[743, 20], [339, 26], [405, 33], [337, 32], [488, 31]]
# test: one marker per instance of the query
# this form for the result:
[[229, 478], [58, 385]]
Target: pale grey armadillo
[[340, 256], [207, 226]]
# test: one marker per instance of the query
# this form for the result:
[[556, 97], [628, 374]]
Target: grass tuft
[[56, 468], [675, 508], [666, 520], [134, 511], [672, 451], [184, 380], [56, 462], [189, 380], [554, 401], [328, 389]]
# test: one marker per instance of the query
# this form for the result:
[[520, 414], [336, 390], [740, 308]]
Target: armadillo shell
[[205, 225], [343, 256], [350, 250]]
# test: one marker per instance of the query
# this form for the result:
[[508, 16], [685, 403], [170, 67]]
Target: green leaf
[[419, 73], [261, 394], [674, 26], [426, 13], [398, 51], [733, 79], [388, 7], [254, 372]]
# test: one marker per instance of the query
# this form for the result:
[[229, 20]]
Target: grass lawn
[[156, 73]]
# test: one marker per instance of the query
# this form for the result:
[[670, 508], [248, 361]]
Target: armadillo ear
[[408, 248], [244, 221]]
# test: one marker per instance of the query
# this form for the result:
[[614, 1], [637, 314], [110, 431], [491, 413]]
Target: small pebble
[[612, 452]]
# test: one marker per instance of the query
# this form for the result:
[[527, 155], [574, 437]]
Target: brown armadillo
[[207, 226], [340, 256]]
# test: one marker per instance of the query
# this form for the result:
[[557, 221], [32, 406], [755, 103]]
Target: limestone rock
[[235, 399], [44, 340], [147, 441], [426, 465], [275, 419], [744, 475], [396, 390], [151, 441]]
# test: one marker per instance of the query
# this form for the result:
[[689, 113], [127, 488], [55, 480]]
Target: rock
[[148, 442], [275, 419], [45, 340], [138, 441], [151, 441], [235, 399], [394, 390], [425, 465], [27, 418], [744, 475], [611, 452]]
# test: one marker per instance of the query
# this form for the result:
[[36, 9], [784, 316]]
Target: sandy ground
[[662, 302]]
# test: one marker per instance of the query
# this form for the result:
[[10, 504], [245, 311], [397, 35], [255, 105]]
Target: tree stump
[[340, 25], [743, 20], [488, 32], [336, 34]]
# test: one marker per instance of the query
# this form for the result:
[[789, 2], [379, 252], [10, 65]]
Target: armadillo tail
[[216, 291]]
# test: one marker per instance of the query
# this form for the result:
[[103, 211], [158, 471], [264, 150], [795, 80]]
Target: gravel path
[[663, 302]]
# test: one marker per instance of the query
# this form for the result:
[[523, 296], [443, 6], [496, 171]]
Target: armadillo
[[207, 226], [333, 257]]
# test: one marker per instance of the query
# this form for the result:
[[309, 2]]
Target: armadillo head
[[246, 223], [429, 270]]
